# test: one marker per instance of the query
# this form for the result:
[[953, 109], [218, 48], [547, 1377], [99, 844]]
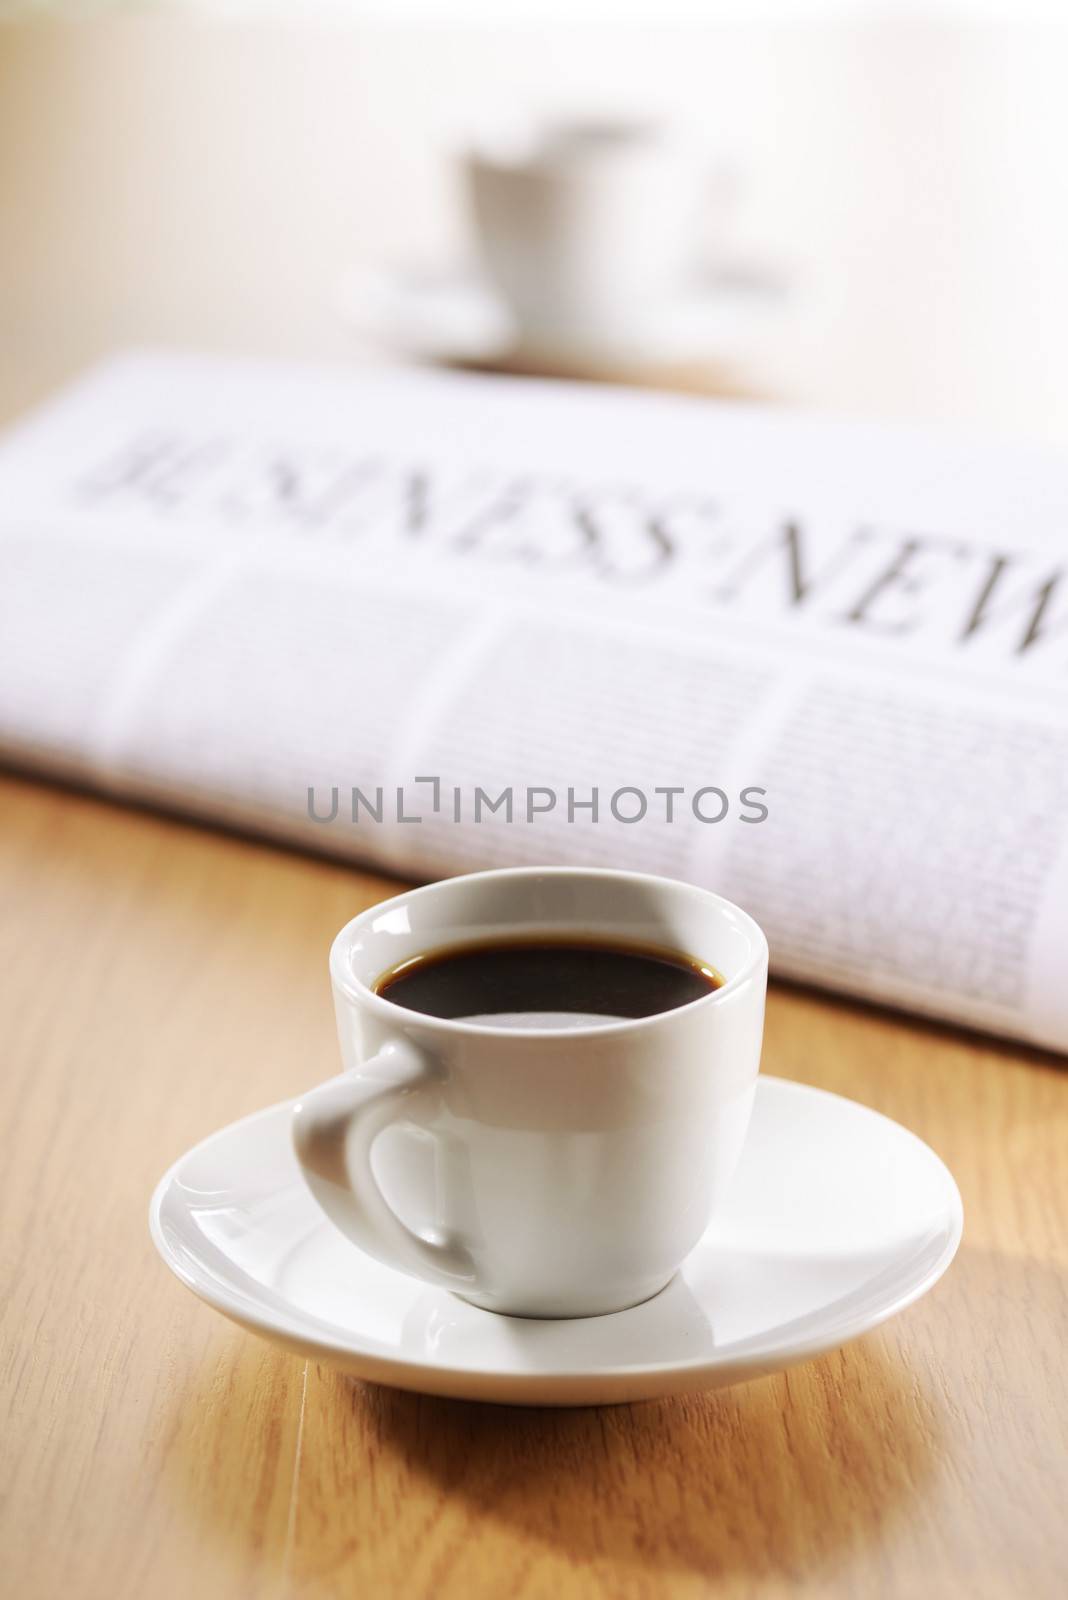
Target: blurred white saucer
[[459, 318]]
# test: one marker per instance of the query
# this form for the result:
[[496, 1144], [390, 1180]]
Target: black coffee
[[537, 983]]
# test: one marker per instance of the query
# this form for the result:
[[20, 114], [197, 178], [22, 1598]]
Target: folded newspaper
[[437, 623]]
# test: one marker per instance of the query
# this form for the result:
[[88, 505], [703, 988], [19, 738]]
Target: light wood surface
[[158, 980]]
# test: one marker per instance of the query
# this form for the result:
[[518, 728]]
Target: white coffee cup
[[574, 1168], [586, 229]]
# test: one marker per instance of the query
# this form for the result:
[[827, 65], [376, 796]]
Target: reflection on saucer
[[672, 1326]]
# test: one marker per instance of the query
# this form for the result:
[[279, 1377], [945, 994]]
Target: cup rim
[[345, 981]]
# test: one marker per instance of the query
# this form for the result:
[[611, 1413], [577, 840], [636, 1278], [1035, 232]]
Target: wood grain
[[157, 980]]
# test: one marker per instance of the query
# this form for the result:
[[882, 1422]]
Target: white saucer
[[460, 318], [837, 1219]]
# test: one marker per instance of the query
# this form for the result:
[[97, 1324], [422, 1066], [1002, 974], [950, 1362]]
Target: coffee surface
[[538, 983]]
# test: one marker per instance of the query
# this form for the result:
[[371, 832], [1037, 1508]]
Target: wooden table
[[159, 980]]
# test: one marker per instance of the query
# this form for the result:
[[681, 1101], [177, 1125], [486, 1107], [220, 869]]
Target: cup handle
[[334, 1129]]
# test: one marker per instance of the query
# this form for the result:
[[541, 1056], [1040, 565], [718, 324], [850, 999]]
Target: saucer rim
[[381, 1366], [503, 339]]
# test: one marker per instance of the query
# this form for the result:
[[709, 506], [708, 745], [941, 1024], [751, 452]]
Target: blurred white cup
[[587, 229]]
